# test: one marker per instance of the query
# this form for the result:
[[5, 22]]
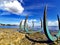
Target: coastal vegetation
[[7, 24]]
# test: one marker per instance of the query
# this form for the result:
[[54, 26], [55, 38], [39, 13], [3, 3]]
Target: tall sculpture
[[41, 23], [45, 27], [46, 30], [26, 29], [25, 24], [32, 24], [58, 21], [20, 26]]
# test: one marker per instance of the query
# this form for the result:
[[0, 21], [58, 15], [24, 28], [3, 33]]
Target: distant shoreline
[[9, 26]]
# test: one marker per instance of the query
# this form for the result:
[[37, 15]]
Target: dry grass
[[12, 37]]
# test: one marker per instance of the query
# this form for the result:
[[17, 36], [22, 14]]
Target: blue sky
[[13, 11]]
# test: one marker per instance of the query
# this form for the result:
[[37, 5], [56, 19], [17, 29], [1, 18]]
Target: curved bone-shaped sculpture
[[59, 21], [58, 34], [26, 29], [41, 23], [46, 30], [21, 26], [47, 33], [25, 24], [32, 24]]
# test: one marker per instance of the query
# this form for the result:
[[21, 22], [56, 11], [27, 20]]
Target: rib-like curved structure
[[58, 34], [26, 29], [59, 21], [21, 28], [46, 30], [32, 24], [41, 23]]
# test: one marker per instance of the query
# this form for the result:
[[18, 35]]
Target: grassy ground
[[12, 37]]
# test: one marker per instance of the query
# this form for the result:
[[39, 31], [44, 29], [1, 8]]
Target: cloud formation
[[12, 6], [52, 23]]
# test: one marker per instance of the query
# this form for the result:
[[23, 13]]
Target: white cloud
[[52, 23], [12, 6]]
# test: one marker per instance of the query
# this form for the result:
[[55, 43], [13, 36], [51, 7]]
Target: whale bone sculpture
[[27, 30], [46, 30]]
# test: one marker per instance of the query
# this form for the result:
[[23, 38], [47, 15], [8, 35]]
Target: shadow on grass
[[32, 40]]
